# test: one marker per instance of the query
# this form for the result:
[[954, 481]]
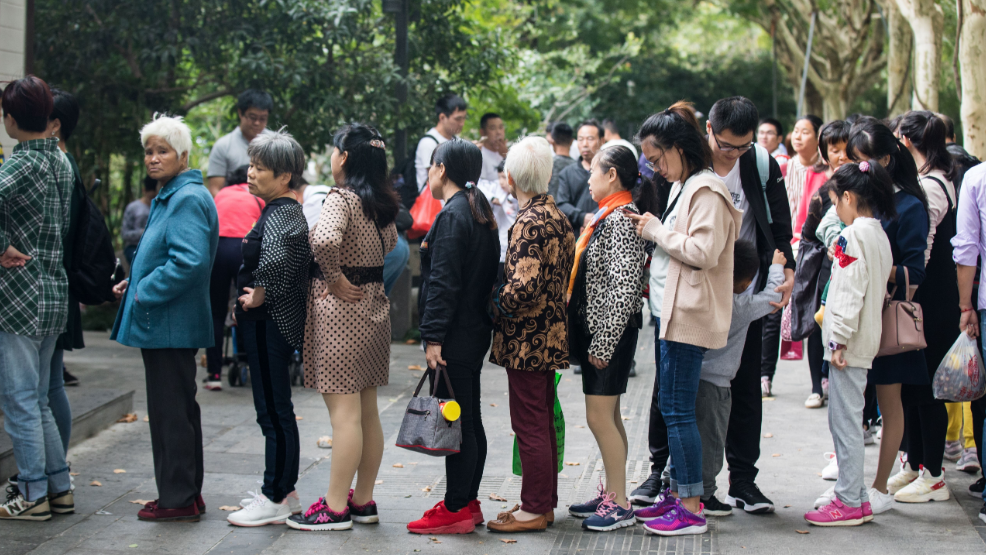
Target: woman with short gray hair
[[270, 312]]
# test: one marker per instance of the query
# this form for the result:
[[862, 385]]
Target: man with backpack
[[451, 111]]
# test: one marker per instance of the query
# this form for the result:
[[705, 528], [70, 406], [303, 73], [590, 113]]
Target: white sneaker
[[825, 498], [879, 433], [880, 502], [925, 488], [969, 461], [213, 385], [868, 437], [814, 401], [831, 471], [259, 512], [294, 502], [764, 386], [902, 479], [825, 389]]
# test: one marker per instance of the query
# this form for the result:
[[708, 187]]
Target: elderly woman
[[530, 332], [273, 286], [166, 314], [347, 332]]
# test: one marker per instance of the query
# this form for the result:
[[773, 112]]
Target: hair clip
[[470, 184], [864, 166], [377, 143]]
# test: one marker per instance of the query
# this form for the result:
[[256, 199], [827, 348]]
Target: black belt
[[357, 275]]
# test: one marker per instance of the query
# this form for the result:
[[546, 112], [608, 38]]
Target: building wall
[[12, 21]]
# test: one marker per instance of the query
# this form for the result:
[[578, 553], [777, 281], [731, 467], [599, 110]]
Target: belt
[[357, 275]]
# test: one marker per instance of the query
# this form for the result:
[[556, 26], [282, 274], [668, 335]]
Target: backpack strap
[[763, 168], [943, 189]]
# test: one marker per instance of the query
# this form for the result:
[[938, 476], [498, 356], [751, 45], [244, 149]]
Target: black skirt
[[613, 379]]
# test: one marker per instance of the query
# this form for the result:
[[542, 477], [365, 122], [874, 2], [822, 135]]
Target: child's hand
[[779, 258], [838, 360]]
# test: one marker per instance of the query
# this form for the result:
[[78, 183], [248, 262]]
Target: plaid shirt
[[35, 192]]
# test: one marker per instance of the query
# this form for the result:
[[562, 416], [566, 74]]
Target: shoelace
[[316, 507], [607, 506], [12, 493], [259, 500]]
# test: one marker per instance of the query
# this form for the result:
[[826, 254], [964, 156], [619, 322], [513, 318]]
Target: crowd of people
[[538, 261]]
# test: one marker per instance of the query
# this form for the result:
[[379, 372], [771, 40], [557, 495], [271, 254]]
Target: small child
[[852, 326]]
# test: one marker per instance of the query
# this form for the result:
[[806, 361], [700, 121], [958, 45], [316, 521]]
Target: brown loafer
[[506, 523], [183, 514], [551, 517]]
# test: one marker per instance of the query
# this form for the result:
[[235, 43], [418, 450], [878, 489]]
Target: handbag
[[903, 323], [424, 211], [804, 299], [424, 429]]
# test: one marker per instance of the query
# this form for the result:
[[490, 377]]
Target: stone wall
[[12, 21]]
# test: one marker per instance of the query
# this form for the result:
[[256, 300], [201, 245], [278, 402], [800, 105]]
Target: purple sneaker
[[662, 504], [678, 521]]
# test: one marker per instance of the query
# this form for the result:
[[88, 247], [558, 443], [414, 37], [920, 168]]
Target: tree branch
[[203, 99]]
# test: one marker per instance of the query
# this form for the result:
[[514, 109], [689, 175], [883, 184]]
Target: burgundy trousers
[[532, 417]]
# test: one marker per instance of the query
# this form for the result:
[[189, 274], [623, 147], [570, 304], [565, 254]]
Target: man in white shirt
[[451, 112], [493, 145], [611, 136], [770, 135], [230, 151]]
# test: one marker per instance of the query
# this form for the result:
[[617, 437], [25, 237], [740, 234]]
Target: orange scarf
[[606, 207]]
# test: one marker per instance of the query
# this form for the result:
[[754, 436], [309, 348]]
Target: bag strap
[[943, 189], [763, 168], [439, 369], [907, 283]]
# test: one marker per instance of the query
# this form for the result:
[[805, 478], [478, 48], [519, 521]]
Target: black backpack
[[95, 268], [406, 176]]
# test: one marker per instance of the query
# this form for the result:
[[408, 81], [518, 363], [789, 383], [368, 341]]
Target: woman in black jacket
[[459, 259]]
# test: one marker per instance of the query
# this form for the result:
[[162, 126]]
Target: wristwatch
[[833, 346]]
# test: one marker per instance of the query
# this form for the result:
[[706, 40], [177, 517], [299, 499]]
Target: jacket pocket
[[694, 292], [693, 276], [151, 318]]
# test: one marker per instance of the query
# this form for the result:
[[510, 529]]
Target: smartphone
[[627, 211]]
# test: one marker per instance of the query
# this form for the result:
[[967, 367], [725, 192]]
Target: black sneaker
[[976, 489], [320, 517], [747, 496], [576, 369], [363, 514], [70, 380], [982, 513], [633, 369], [714, 507], [647, 493]]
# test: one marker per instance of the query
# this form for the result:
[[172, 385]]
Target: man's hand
[[838, 360], [599, 363], [433, 354], [344, 290], [969, 323], [784, 289], [641, 220], [120, 288], [253, 297], [13, 258]]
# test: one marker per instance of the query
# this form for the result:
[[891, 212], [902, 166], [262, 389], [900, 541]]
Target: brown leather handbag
[[903, 323]]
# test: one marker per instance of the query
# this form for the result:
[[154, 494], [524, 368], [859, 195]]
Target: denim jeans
[[58, 400], [394, 263], [24, 375], [681, 365]]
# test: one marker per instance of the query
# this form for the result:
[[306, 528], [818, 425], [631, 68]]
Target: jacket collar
[[37, 144], [190, 177], [539, 200]]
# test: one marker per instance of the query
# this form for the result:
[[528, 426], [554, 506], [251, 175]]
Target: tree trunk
[[898, 61], [972, 53], [927, 21]]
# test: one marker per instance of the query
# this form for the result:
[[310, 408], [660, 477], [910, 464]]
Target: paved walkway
[[106, 520]]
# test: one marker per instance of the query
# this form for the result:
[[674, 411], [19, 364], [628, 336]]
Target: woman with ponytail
[[459, 261], [347, 332]]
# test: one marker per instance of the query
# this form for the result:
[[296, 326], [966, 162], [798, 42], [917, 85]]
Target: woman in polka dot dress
[[347, 333]]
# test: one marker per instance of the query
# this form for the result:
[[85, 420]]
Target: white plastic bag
[[961, 376]]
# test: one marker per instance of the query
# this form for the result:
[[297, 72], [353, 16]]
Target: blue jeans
[[269, 355], [681, 365], [58, 400], [394, 263], [24, 375]]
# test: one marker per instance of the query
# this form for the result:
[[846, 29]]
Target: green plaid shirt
[[35, 192]]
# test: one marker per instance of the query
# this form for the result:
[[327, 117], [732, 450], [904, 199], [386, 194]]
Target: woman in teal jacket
[[165, 312]]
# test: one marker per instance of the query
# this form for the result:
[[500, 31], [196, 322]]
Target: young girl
[[852, 326]]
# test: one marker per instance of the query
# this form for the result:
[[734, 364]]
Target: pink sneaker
[[867, 511], [837, 514], [663, 503], [678, 521]]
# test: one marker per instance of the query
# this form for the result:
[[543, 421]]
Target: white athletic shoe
[[259, 512], [765, 386], [825, 498], [814, 401], [868, 437], [925, 488], [880, 502], [901, 480], [294, 503], [831, 471]]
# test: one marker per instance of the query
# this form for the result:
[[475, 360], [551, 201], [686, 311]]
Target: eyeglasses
[[256, 119], [731, 148], [653, 166]]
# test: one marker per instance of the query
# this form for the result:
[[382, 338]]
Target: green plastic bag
[[559, 434]]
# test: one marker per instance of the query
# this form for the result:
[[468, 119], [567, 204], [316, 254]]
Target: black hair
[[746, 261], [486, 118], [463, 163], [927, 132], [66, 110], [621, 159], [366, 172], [736, 114], [253, 98], [150, 184], [610, 125], [873, 188], [449, 104], [774, 122], [832, 133], [949, 126], [648, 195], [869, 138], [501, 166], [238, 175], [852, 118], [815, 121], [593, 123], [562, 133], [678, 127]]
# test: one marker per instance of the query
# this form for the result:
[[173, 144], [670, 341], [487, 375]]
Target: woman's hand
[[344, 290], [599, 363], [641, 220], [120, 288], [838, 360], [253, 298], [969, 323], [13, 258], [433, 354]]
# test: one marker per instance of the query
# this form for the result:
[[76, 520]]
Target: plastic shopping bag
[[424, 211], [961, 376], [559, 434]]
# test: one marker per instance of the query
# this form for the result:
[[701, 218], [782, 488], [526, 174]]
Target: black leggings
[[464, 471], [815, 353], [771, 345], [229, 258], [924, 429]]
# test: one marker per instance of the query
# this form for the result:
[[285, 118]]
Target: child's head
[[746, 264], [501, 175], [863, 189]]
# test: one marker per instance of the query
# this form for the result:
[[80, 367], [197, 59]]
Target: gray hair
[[171, 129], [278, 152], [529, 164]]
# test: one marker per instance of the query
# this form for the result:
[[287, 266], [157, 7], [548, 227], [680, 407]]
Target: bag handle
[[908, 294], [448, 383]]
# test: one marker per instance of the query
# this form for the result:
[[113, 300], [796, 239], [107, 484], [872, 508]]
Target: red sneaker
[[183, 514], [439, 520], [477, 512]]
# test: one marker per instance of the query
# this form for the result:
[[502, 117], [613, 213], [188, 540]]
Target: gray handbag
[[424, 429]]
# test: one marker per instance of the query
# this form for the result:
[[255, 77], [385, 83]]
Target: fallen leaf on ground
[[414, 463], [407, 497], [569, 463], [633, 481], [411, 342], [128, 418], [768, 435], [133, 545], [119, 471], [426, 488], [398, 465], [324, 442], [509, 541], [787, 506], [819, 473], [415, 367], [496, 497], [73, 473], [493, 405], [765, 399], [580, 426], [776, 455], [378, 482], [147, 419], [299, 417], [563, 475], [512, 434], [96, 483], [229, 508], [802, 531], [626, 418], [141, 501]]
